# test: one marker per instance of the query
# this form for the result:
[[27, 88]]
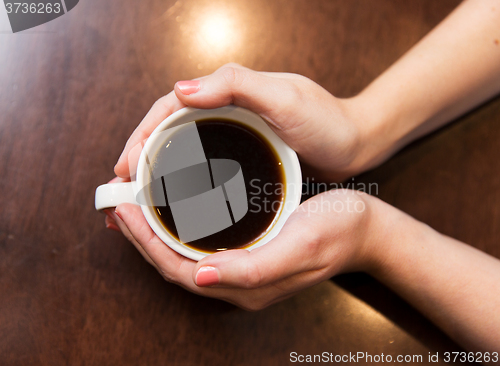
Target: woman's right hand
[[328, 133]]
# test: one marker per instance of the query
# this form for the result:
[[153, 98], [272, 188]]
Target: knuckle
[[312, 243], [253, 276], [292, 97], [167, 276], [170, 272], [233, 76], [230, 65], [160, 101]]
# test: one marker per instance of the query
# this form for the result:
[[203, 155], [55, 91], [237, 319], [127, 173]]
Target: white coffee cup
[[113, 194]]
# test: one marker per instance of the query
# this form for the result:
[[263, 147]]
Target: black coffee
[[263, 178]]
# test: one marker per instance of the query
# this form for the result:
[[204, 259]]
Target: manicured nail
[[207, 276], [188, 87], [112, 227]]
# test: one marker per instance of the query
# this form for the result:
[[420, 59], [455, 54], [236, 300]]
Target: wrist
[[394, 238], [375, 123], [369, 234]]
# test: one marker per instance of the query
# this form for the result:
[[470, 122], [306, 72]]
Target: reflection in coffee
[[241, 171]]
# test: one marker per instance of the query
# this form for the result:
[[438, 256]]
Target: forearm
[[455, 285], [450, 71]]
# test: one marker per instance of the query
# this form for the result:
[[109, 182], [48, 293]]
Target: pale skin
[[453, 69]]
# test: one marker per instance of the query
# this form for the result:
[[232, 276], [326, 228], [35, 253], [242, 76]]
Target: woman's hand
[[342, 231], [328, 133], [331, 233]]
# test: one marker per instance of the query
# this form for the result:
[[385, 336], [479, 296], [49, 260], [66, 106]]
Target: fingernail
[[118, 214], [207, 276], [188, 87], [112, 227]]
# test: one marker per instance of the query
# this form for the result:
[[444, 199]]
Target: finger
[[162, 108], [118, 180], [109, 220], [293, 251], [126, 232], [234, 84], [111, 224], [133, 155], [173, 266]]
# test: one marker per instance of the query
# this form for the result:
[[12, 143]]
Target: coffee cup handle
[[112, 194]]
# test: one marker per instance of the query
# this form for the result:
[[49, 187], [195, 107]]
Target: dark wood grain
[[72, 91]]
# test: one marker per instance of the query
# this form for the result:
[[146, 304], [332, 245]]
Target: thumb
[[282, 257], [261, 93]]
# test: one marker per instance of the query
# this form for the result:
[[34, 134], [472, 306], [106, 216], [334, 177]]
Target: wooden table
[[72, 91]]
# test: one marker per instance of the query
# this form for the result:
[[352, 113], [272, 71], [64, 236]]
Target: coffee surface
[[263, 178]]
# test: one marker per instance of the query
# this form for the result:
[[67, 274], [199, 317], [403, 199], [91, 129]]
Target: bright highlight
[[217, 30]]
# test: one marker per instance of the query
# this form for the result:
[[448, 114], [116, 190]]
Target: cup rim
[[291, 167]]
